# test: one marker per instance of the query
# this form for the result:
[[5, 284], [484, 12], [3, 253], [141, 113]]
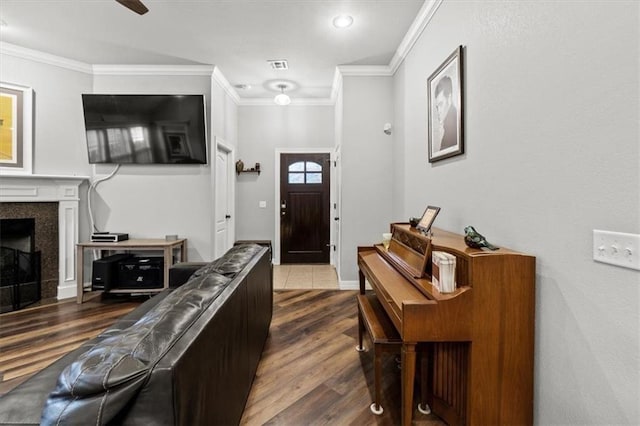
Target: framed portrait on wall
[[445, 109], [16, 129]]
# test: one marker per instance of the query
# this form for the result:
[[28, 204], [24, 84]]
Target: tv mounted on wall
[[145, 129]]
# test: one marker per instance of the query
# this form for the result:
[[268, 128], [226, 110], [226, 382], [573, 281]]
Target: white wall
[[151, 201], [59, 138], [552, 152], [367, 167], [261, 130], [59, 144], [224, 115], [399, 134], [145, 201]]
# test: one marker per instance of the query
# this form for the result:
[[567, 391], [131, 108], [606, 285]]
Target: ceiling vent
[[278, 64]]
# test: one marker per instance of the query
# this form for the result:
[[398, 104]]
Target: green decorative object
[[476, 240]]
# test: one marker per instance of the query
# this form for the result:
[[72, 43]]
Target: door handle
[[336, 218], [228, 216]]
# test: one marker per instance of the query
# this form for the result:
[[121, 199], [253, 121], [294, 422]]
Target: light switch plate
[[262, 204], [616, 248]]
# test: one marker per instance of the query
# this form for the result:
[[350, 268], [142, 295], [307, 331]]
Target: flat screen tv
[[145, 129]]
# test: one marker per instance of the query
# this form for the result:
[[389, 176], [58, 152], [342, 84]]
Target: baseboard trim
[[349, 285], [67, 291], [354, 285]]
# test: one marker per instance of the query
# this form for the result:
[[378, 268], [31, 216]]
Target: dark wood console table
[[167, 247]]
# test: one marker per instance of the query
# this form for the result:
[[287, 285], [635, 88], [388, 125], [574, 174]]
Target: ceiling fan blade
[[135, 5]]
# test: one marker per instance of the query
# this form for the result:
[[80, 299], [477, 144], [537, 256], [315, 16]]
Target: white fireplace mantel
[[64, 190]]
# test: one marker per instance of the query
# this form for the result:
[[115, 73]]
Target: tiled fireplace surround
[[45, 189]]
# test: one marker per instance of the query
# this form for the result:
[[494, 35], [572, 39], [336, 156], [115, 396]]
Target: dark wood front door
[[304, 208]]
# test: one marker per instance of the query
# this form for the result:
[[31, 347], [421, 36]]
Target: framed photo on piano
[[427, 219]]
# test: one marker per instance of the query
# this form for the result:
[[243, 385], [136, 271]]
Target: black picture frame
[[445, 96], [427, 219]]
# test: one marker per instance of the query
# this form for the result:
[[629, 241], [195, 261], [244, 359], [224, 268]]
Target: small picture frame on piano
[[427, 219]]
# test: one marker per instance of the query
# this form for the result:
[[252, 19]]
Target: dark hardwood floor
[[309, 374], [32, 338]]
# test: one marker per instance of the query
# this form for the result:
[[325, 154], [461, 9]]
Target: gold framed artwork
[[16, 129]]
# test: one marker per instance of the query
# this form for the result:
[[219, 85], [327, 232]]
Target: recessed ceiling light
[[342, 21]]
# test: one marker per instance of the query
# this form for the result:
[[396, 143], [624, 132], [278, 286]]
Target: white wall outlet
[[262, 204], [617, 248]]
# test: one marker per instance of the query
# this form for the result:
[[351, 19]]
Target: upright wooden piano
[[478, 341]]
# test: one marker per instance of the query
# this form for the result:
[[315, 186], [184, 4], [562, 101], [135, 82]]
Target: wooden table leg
[[362, 281], [183, 251], [168, 261], [408, 377]]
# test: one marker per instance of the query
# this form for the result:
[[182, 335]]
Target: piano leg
[[360, 347], [408, 377], [423, 406], [376, 408]]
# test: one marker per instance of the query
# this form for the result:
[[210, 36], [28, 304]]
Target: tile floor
[[305, 276]]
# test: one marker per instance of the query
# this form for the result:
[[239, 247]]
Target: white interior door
[[224, 201]]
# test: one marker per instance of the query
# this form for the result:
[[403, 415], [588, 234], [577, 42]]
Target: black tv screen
[[145, 129]]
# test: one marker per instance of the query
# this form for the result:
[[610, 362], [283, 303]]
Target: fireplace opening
[[20, 271]]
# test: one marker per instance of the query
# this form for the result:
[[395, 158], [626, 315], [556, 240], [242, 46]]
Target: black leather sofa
[[187, 356]]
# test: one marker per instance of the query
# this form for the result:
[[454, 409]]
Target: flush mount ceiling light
[[342, 21], [282, 99]]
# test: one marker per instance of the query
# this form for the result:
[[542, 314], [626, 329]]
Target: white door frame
[[221, 145], [277, 199], [336, 208]]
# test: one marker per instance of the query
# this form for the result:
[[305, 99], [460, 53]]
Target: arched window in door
[[302, 172]]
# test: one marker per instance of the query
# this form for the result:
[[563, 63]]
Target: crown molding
[[418, 25], [294, 102], [421, 21], [222, 81], [365, 70], [205, 70], [423, 18], [45, 58]]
